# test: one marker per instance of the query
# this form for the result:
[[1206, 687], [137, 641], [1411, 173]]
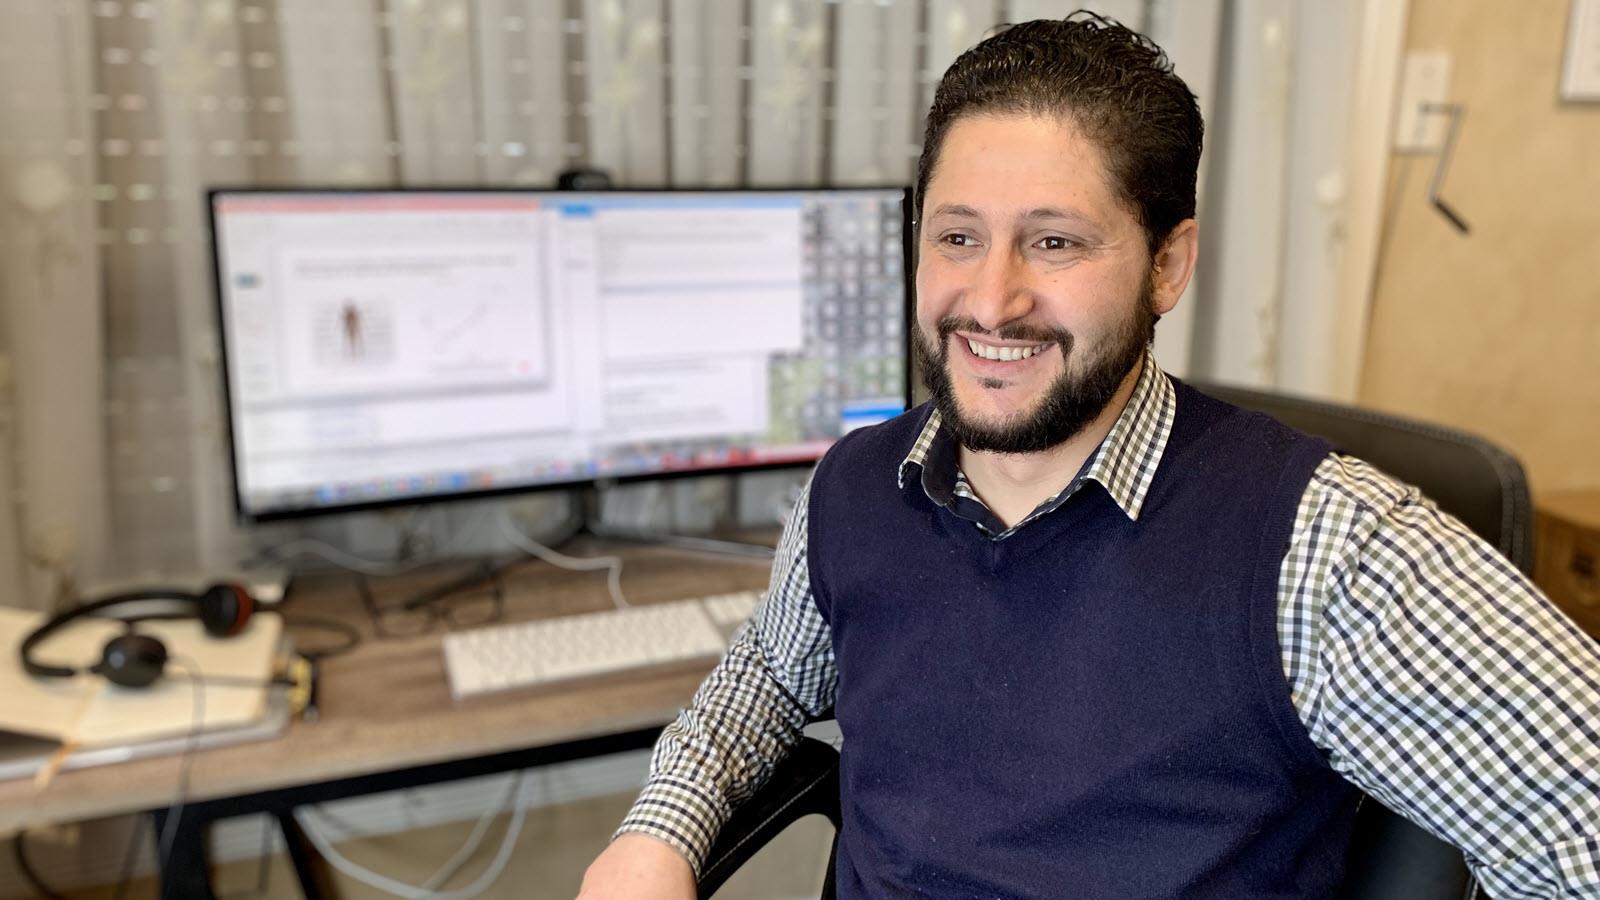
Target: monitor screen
[[399, 346]]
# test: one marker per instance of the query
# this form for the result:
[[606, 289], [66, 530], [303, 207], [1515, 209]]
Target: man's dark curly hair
[[1113, 83]]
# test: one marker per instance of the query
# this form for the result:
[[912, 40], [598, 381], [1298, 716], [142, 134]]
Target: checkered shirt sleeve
[[1441, 682], [748, 714]]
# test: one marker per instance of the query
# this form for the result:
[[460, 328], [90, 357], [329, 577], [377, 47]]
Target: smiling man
[[1089, 633], [1037, 295]]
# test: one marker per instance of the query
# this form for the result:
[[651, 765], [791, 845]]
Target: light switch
[[1580, 74], [1426, 84]]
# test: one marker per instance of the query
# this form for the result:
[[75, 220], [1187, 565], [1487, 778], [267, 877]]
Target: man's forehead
[[1018, 166]]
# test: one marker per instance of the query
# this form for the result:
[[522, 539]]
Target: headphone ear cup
[[132, 660], [225, 609]]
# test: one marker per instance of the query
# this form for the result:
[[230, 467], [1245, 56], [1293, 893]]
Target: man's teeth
[[1004, 354]]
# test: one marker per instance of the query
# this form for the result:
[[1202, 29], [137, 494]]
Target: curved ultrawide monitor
[[386, 347]]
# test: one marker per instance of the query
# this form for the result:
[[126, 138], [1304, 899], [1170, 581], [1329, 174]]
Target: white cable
[[389, 885], [612, 564], [469, 848]]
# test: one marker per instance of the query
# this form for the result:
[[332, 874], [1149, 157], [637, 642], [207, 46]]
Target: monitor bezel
[[247, 517]]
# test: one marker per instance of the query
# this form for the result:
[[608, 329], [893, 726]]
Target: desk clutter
[[133, 659], [388, 717], [146, 672], [135, 674]]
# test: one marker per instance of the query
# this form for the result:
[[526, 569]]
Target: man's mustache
[[1013, 331]]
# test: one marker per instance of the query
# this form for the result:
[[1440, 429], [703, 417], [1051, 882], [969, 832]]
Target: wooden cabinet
[[1567, 560]]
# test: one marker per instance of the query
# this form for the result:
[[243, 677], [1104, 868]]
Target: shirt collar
[[1124, 463]]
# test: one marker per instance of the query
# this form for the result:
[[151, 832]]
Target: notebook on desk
[[22, 756], [104, 720]]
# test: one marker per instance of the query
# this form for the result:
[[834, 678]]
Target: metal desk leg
[[316, 881], [186, 871]]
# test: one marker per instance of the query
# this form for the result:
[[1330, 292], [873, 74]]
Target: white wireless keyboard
[[551, 651]]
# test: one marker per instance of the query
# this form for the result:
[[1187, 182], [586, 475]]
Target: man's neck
[[1014, 484]]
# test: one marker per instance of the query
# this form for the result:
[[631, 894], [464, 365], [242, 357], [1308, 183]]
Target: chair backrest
[[1478, 483], [1390, 858], [1469, 477]]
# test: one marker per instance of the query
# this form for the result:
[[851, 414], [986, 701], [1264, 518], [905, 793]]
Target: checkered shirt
[[1434, 676]]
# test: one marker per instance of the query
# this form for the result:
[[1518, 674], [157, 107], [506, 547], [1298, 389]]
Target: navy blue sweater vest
[[1091, 708]]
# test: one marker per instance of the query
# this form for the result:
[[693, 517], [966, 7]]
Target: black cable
[[26, 868], [169, 831], [1457, 113], [131, 857], [165, 839]]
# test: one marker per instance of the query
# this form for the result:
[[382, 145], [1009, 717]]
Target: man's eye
[[958, 240], [1055, 243]]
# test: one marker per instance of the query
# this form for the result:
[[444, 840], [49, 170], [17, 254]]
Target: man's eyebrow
[[1051, 212], [955, 209]]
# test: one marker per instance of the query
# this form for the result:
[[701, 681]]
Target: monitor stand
[[685, 541], [589, 512]]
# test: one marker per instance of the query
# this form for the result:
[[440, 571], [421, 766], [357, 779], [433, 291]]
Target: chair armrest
[[806, 783], [1392, 859]]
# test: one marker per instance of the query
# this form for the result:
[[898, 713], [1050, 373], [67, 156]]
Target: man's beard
[[1069, 404]]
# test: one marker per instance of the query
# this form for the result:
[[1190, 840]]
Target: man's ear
[[1173, 266]]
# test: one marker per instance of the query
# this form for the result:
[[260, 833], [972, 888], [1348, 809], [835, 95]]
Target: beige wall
[[1499, 331]]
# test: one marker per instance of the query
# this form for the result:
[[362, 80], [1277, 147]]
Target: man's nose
[[1002, 292]]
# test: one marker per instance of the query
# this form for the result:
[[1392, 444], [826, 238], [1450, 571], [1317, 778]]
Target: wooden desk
[[387, 719]]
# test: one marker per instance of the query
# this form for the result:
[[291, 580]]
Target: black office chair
[[1390, 858]]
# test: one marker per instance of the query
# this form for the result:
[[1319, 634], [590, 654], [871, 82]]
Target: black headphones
[[136, 660]]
